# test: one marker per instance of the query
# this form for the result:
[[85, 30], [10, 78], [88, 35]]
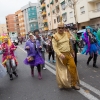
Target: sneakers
[[49, 61], [54, 61], [44, 68]]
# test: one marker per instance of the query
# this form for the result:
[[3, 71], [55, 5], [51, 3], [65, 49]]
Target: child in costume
[[92, 45]]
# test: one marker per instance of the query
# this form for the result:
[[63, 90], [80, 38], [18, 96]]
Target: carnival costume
[[34, 56], [92, 46], [66, 72], [8, 53]]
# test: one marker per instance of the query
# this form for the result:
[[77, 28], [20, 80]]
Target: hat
[[61, 24], [30, 34]]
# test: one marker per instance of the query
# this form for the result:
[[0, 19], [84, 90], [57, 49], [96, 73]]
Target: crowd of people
[[64, 44]]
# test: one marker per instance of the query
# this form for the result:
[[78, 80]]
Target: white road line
[[81, 91], [87, 95]]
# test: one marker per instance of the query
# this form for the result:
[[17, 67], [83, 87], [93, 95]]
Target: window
[[64, 16], [58, 19], [48, 14], [57, 9], [56, 1], [63, 5], [54, 20], [71, 14], [82, 10], [98, 6]]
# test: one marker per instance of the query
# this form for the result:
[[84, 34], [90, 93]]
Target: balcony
[[93, 0], [94, 13], [43, 13], [43, 5], [45, 28], [44, 20]]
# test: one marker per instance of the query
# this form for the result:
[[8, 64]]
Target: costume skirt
[[93, 48], [37, 60]]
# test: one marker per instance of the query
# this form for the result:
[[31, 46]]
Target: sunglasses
[[60, 27]]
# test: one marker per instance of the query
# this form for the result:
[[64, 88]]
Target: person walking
[[92, 45], [34, 56], [42, 43], [50, 49], [66, 72]]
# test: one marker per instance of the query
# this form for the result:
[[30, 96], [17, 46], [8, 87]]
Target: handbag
[[30, 58]]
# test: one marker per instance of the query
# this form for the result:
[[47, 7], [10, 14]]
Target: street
[[26, 87]]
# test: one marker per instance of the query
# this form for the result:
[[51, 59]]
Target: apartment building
[[11, 23], [40, 18], [3, 28], [20, 22], [44, 14], [88, 13], [30, 16]]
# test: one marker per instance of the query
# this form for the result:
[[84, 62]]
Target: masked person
[[8, 59], [34, 56], [66, 72], [92, 45]]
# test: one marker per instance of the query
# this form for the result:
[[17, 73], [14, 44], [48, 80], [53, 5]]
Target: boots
[[11, 77], [39, 76], [94, 61], [89, 59], [15, 74]]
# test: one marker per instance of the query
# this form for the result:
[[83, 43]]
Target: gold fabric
[[66, 72], [60, 43]]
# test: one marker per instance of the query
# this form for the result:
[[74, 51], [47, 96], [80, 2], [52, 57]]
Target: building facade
[[11, 23], [88, 13], [44, 15], [3, 28], [85, 12], [20, 23], [30, 16]]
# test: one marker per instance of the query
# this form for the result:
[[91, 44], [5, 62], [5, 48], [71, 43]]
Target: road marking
[[82, 91]]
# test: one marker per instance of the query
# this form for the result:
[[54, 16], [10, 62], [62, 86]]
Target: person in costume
[[92, 45], [66, 72], [34, 56], [8, 51]]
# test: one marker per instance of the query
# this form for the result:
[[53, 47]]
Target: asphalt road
[[26, 87]]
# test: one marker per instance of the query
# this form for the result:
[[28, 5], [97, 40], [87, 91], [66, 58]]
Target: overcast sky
[[11, 6]]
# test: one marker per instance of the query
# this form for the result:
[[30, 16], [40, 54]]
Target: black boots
[[94, 61], [89, 59], [11, 77], [15, 74]]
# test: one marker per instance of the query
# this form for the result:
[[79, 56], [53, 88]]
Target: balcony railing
[[43, 13], [44, 20], [94, 13], [43, 5], [45, 28], [93, 0]]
